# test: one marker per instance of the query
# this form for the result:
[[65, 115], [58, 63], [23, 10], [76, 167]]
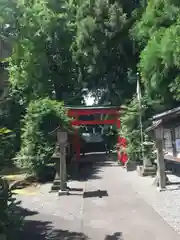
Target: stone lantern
[[55, 158], [60, 161]]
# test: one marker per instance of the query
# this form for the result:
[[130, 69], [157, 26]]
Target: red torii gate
[[113, 111]]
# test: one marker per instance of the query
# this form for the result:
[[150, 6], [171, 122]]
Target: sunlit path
[[102, 206]]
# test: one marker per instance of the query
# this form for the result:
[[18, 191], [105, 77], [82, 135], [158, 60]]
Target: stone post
[[63, 168], [56, 157], [161, 175], [62, 139]]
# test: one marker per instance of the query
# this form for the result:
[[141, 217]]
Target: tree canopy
[[58, 45], [157, 33], [64, 49], [103, 48], [41, 64]]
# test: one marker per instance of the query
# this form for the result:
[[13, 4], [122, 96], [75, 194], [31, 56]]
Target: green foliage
[[6, 147], [10, 221], [42, 117], [41, 64], [103, 48], [158, 14], [10, 115], [160, 64], [158, 34], [4, 131], [59, 45], [130, 129]]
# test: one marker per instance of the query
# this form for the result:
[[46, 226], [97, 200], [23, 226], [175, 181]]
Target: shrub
[[42, 116], [10, 220], [6, 147], [130, 127]]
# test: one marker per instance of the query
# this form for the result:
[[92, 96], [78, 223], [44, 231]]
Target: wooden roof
[[154, 125], [167, 114], [160, 118]]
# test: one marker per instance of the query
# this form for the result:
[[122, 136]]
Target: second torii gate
[[113, 114]]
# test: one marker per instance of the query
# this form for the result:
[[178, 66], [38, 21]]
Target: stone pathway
[[108, 208]]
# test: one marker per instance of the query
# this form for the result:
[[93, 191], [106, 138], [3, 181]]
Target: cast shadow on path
[[115, 236], [44, 230], [98, 193], [41, 230], [89, 167], [37, 230]]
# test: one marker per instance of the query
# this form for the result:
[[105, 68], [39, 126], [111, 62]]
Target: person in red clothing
[[122, 156]]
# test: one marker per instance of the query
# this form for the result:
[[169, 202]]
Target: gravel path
[[166, 204], [114, 204]]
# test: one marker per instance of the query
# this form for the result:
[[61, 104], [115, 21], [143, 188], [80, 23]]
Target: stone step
[[148, 171], [56, 183]]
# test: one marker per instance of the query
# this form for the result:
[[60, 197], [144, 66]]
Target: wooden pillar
[[173, 139], [77, 145], [77, 142]]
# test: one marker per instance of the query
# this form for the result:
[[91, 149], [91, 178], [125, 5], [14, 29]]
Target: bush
[[10, 115], [10, 220], [42, 117], [6, 147], [130, 127]]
